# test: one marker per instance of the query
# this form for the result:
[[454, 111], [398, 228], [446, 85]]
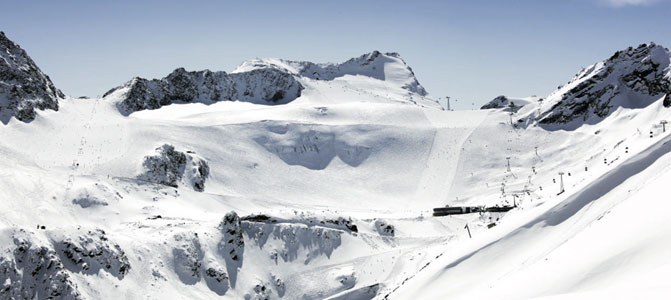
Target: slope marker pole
[[663, 122]]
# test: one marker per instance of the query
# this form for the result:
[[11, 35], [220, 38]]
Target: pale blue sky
[[470, 50]]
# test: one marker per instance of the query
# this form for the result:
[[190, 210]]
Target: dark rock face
[[94, 251], [631, 78], [169, 167], [232, 245], [384, 228], [342, 222], [216, 279], [498, 102], [217, 274], [267, 85], [339, 223], [261, 291], [166, 167], [35, 272], [23, 87], [200, 172], [43, 271], [256, 81]]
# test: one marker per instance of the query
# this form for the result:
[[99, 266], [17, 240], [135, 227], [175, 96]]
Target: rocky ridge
[[24, 88], [630, 78]]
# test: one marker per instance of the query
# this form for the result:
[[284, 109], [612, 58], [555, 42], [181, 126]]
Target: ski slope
[[607, 239], [356, 148]]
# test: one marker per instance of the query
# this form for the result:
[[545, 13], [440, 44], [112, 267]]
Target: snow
[[388, 67], [358, 147], [609, 236]]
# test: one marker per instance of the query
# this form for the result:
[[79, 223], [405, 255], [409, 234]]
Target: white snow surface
[[351, 150], [389, 67]]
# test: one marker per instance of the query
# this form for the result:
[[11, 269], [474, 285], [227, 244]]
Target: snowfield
[[330, 196]]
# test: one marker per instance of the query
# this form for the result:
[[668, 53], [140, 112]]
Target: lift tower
[[561, 182]]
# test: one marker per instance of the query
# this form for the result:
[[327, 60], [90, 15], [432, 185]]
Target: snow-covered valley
[[207, 184]]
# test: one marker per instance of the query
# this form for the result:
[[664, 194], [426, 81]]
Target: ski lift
[[561, 183]]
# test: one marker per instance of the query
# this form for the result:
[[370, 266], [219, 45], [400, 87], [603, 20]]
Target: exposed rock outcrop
[[498, 102], [35, 272], [384, 228], [170, 167], [92, 252], [631, 78], [216, 279], [267, 85], [261, 81], [261, 291], [23, 87], [290, 237], [232, 245], [187, 256], [34, 268]]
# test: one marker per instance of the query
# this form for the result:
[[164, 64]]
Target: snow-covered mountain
[[580, 163], [631, 78], [258, 86], [164, 189], [389, 67], [23, 87], [264, 81], [508, 102]]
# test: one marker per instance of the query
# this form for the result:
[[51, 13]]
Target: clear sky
[[470, 50]]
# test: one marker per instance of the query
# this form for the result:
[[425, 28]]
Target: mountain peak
[[266, 81], [270, 86], [23, 86], [382, 66], [630, 78]]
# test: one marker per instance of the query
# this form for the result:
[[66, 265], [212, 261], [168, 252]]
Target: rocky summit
[[23, 86], [259, 81], [269, 86], [630, 78]]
